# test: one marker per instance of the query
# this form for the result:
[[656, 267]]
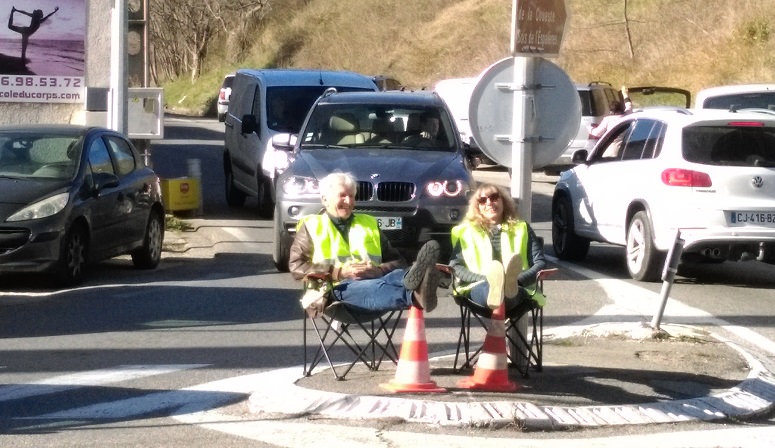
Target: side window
[[99, 159], [639, 137], [601, 104], [654, 143], [256, 108], [122, 153], [611, 149]]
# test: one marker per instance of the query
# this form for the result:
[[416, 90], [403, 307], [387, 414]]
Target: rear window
[[754, 100], [227, 82], [730, 146], [287, 107]]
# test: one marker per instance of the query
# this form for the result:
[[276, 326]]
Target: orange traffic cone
[[413, 370], [491, 372]]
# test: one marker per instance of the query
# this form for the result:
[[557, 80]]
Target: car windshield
[[730, 146], [379, 125], [737, 101], [28, 155], [287, 107]]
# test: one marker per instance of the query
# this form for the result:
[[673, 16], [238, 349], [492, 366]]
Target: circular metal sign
[[557, 112]]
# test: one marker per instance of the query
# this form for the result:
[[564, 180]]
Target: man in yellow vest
[[368, 273], [495, 254]]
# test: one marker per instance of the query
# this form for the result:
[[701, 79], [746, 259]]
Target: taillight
[[222, 95], [746, 123], [677, 177]]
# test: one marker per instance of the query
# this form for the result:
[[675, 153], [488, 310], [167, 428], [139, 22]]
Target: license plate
[[766, 219], [389, 223]]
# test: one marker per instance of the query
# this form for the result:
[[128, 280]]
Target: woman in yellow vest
[[368, 273], [490, 237]]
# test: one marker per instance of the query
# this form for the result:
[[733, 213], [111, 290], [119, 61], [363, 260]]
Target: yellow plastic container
[[183, 193]]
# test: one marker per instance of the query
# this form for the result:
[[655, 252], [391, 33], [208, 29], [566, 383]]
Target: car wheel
[[149, 255], [234, 196], [72, 258], [282, 244], [265, 202], [644, 261], [221, 117], [567, 245]]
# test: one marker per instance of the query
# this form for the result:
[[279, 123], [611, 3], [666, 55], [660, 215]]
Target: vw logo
[[376, 175], [757, 181]]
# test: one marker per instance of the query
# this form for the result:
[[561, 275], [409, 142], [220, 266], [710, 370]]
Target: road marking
[[91, 378], [183, 401], [634, 300]]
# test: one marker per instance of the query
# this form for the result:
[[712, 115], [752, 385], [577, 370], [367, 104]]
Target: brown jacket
[[300, 259]]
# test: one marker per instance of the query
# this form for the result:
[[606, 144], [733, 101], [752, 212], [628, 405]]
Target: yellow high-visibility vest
[[330, 246], [476, 249]]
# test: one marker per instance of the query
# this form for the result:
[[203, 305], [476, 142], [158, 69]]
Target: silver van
[[264, 103]]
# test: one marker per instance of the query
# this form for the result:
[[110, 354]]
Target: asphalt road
[[111, 361]]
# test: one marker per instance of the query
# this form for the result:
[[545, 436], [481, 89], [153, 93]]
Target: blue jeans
[[478, 294], [378, 294]]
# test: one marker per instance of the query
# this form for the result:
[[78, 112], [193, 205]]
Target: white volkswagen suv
[[708, 173]]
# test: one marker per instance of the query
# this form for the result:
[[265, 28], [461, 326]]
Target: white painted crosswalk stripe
[[91, 378]]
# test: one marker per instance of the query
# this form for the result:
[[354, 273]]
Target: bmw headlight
[[281, 161], [450, 188], [41, 209], [301, 186]]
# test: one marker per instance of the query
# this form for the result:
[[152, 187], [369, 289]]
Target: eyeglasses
[[493, 197]]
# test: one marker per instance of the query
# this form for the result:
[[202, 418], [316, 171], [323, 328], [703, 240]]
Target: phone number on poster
[[39, 81]]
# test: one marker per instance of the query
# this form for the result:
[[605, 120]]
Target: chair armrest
[[545, 273]]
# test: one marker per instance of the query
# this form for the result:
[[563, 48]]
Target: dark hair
[[617, 107]]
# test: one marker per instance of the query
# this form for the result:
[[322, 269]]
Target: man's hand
[[360, 270]]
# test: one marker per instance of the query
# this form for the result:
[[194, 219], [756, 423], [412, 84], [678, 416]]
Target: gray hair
[[335, 179]]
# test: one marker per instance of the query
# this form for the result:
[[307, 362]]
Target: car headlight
[[450, 188], [41, 209], [281, 161], [298, 186]]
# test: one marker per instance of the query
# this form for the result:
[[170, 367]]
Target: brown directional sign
[[539, 27]]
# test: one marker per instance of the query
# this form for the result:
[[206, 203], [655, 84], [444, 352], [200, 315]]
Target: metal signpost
[[524, 110]]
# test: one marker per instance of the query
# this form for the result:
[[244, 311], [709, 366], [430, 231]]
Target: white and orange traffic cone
[[491, 372], [413, 370]]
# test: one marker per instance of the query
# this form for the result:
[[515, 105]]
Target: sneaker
[[513, 269], [495, 278], [425, 294], [425, 263]]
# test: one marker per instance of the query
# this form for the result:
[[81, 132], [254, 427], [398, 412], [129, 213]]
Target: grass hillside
[[683, 43]]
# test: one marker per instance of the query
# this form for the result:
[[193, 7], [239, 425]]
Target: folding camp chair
[[367, 335], [525, 348]]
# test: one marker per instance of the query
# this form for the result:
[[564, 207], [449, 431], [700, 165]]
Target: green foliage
[[690, 44], [173, 223]]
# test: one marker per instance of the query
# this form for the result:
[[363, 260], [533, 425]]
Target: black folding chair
[[365, 337], [525, 348]]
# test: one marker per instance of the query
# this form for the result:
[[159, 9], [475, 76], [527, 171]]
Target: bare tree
[[181, 31], [627, 33]]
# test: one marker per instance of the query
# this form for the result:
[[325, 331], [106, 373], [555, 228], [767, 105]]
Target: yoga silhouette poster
[[42, 50]]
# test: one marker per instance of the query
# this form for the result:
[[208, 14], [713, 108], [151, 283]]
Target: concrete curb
[[752, 398]]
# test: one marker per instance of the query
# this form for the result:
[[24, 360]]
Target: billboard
[[42, 52]]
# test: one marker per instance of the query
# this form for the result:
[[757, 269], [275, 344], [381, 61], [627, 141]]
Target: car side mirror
[[105, 180], [579, 156], [284, 141], [473, 159], [249, 124]]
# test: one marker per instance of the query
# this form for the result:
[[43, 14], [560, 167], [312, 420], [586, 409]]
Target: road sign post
[[540, 101]]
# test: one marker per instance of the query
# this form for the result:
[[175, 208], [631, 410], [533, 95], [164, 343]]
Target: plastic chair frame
[[532, 347], [338, 323]]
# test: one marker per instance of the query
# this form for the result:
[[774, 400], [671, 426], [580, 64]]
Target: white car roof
[[687, 117], [710, 92]]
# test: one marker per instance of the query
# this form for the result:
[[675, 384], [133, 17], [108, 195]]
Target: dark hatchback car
[[70, 195]]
